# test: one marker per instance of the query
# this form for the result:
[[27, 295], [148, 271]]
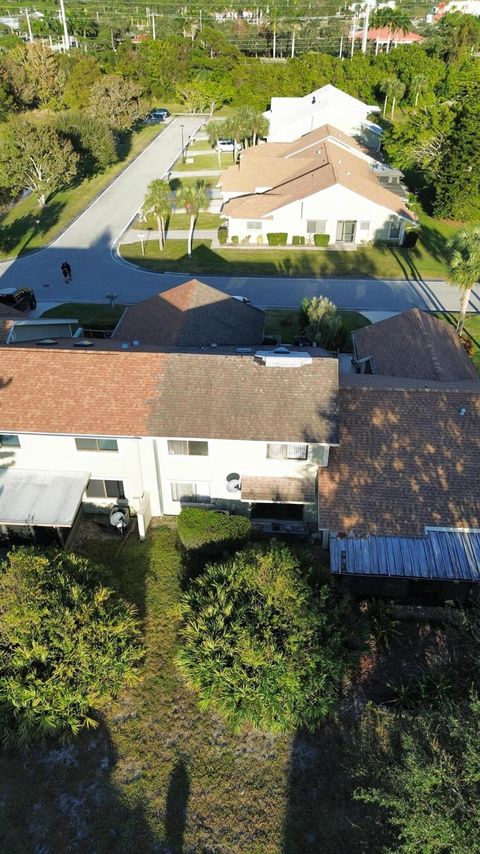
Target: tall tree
[[117, 100], [194, 198], [397, 91], [35, 156], [458, 184], [463, 252], [386, 87], [419, 85], [84, 73], [215, 131], [396, 20], [158, 201]]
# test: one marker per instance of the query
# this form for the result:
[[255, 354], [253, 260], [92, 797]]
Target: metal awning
[[287, 490], [46, 498], [442, 554]]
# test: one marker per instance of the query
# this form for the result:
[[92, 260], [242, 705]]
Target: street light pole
[[142, 239], [183, 145]]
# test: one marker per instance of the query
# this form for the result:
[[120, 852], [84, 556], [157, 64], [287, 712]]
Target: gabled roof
[[414, 344], [187, 394], [408, 458], [326, 168], [191, 315], [385, 34]]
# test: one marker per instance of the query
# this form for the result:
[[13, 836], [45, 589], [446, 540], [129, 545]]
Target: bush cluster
[[321, 239], [210, 531], [277, 238], [222, 235], [298, 240]]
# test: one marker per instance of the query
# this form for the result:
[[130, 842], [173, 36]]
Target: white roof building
[[291, 118]]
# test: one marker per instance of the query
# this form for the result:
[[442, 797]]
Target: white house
[[323, 183], [92, 421], [290, 118]]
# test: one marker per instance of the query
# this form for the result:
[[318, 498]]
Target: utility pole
[[200, 20], [354, 27], [365, 28], [30, 36], [66, 40], [274, 52], [154, 34], [340, 52]]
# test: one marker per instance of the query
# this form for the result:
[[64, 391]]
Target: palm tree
[[234, 129], [419, 85], [397, 91], [385, 87], [194, 198], [463, 252], [259, 126], [295, 29], [215, 131], [158, 202], [394, 19]]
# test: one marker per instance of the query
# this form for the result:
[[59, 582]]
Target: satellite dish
[[233, 482]]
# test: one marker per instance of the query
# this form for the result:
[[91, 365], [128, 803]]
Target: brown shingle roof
[[192, 314], [309, 175], [407, 459], [147, 393], [414, 344], [289, 489]]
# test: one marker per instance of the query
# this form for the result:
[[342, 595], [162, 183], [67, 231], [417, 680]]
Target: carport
[[40, 506]]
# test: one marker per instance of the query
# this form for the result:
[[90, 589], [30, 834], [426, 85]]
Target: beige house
[[323, 183]]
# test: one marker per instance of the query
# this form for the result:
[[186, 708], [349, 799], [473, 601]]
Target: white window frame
[[5, 443], [97, 443], [285, 451], [201, 490], [104, 481], [397, 224], [254, 225], [187, 447], [316, 226]]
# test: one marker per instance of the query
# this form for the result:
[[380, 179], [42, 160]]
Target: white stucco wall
[[145, 466], [330, 205]]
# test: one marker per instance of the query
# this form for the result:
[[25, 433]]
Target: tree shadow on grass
[[18, 234], [176, 807]]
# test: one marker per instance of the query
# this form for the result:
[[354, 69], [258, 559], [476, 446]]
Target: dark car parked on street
[[22, 299], [156, 116]]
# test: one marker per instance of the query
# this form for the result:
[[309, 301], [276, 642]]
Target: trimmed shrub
[[277, 238], [234, 240], [410, 239], [262, 645], [210, 531], [321, 239], [298, 240], [222, 235]]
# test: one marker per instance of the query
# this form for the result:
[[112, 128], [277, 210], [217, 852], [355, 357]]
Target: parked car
[[22, 299], [227, 145], [157, 116]]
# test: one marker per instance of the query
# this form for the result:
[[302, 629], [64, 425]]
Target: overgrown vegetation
[[211, 532], [67, 644]]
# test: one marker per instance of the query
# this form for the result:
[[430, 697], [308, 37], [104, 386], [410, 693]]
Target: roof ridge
[[436, 364]]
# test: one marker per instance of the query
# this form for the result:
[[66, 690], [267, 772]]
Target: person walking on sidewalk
[[66, 271]]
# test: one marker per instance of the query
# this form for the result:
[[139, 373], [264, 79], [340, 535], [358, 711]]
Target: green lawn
[[200, 145], [159, 774], [89, 315], [426, 260], [67, 204], [471, 332], [205, 219], [205, 162], [283, 323]]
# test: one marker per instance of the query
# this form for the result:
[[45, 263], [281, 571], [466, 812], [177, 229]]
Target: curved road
[[88, 244]]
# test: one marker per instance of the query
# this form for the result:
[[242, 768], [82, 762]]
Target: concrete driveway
[[88, 245]]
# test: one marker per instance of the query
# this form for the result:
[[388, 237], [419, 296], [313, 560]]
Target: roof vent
[[46, 342], [83, 343], [135, 342], [124, 345], [283, 359], [213, 344], [463, 410]]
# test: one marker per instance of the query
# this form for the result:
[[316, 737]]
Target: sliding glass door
[[346, 230]]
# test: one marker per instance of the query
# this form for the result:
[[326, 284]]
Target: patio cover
[[288, 490], [46, 498]]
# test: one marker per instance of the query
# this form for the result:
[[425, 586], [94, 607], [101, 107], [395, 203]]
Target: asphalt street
[[88, 244]]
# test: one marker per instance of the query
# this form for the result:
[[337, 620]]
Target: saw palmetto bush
[[263, 647], [67, 644]]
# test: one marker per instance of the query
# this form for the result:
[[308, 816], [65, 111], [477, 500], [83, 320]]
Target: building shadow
[[176, 807]]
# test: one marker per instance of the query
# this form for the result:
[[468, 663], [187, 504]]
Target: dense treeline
[[91, 100]]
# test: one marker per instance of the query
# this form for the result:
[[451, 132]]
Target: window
[[394, 232], [316, 226], [254, 226], [191, 493], [105, 489], [9, 440], [96, 444], [346, 231], [187, 448], [364, 226], [287, 452]]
